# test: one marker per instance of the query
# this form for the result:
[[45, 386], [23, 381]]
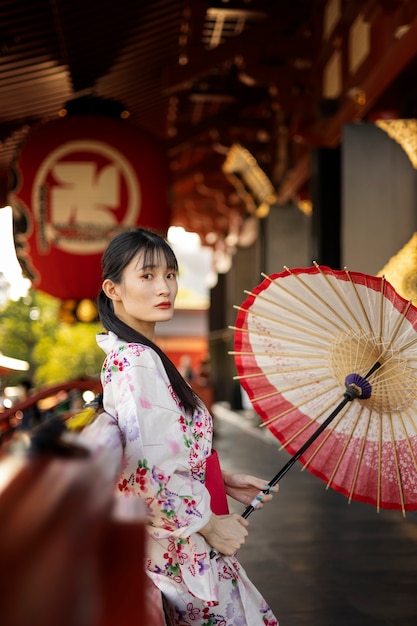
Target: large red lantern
[[80, 180]]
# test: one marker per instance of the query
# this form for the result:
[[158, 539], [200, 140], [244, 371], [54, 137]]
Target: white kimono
[[163, 462]]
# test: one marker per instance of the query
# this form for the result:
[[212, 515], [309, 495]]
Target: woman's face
[[145, 295]]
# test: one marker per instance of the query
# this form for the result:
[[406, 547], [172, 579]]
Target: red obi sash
[[215, 485]]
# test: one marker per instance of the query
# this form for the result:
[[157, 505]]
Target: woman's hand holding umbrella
[[248, 489], [225, 533]]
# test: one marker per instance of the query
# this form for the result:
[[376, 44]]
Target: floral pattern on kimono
[[164, 458]]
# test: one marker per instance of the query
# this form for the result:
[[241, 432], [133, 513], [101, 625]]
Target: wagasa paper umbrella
[[329, 361]]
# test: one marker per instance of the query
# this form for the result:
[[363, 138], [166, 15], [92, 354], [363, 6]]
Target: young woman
[[166, 433]]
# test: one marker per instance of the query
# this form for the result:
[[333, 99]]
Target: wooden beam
[[381, 75], [228, 115], [248, 44]]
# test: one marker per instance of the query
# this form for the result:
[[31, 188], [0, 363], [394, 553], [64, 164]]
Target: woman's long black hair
[[120, 251]]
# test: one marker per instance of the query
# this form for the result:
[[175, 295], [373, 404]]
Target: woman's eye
[[172, 275]]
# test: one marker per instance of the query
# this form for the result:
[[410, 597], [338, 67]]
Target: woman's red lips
[[164, 305]]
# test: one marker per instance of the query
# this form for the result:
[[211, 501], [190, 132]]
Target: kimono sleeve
[[104, 439], [165, 449]]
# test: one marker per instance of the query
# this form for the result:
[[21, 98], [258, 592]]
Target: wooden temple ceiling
[[276, 78]]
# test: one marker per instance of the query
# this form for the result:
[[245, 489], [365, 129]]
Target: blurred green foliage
[[30, 329]]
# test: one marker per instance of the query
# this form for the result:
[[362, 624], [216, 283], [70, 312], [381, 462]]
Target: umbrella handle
[[255, 502]]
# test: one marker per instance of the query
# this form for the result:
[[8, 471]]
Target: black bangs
[[126, 245], [155, 253]]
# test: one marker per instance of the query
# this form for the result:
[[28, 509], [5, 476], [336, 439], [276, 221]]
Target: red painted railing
[[7, 421], [66, 558]]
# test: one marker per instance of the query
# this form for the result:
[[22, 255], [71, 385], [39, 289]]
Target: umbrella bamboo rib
[[299, 432], [292, 355], [381, 308], [266, 353], [281, 307], [283, 370], [379, 473], [397, 468], [343, 301], [358, 465], [400, 384], [395, 355], [358, 349], [406, 346], [330, 431], [297, 385], [259, 333], [277, 417], [302, 302], [410, 447], [394, 382], [412, 422], [297, 406], [342, 453], [396, 329], [385, 378], [319, 298], [360, 302]]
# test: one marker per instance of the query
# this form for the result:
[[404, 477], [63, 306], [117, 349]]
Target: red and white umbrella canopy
[[304, 338]]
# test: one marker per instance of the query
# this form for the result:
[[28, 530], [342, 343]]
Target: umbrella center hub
[[392, 384]]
